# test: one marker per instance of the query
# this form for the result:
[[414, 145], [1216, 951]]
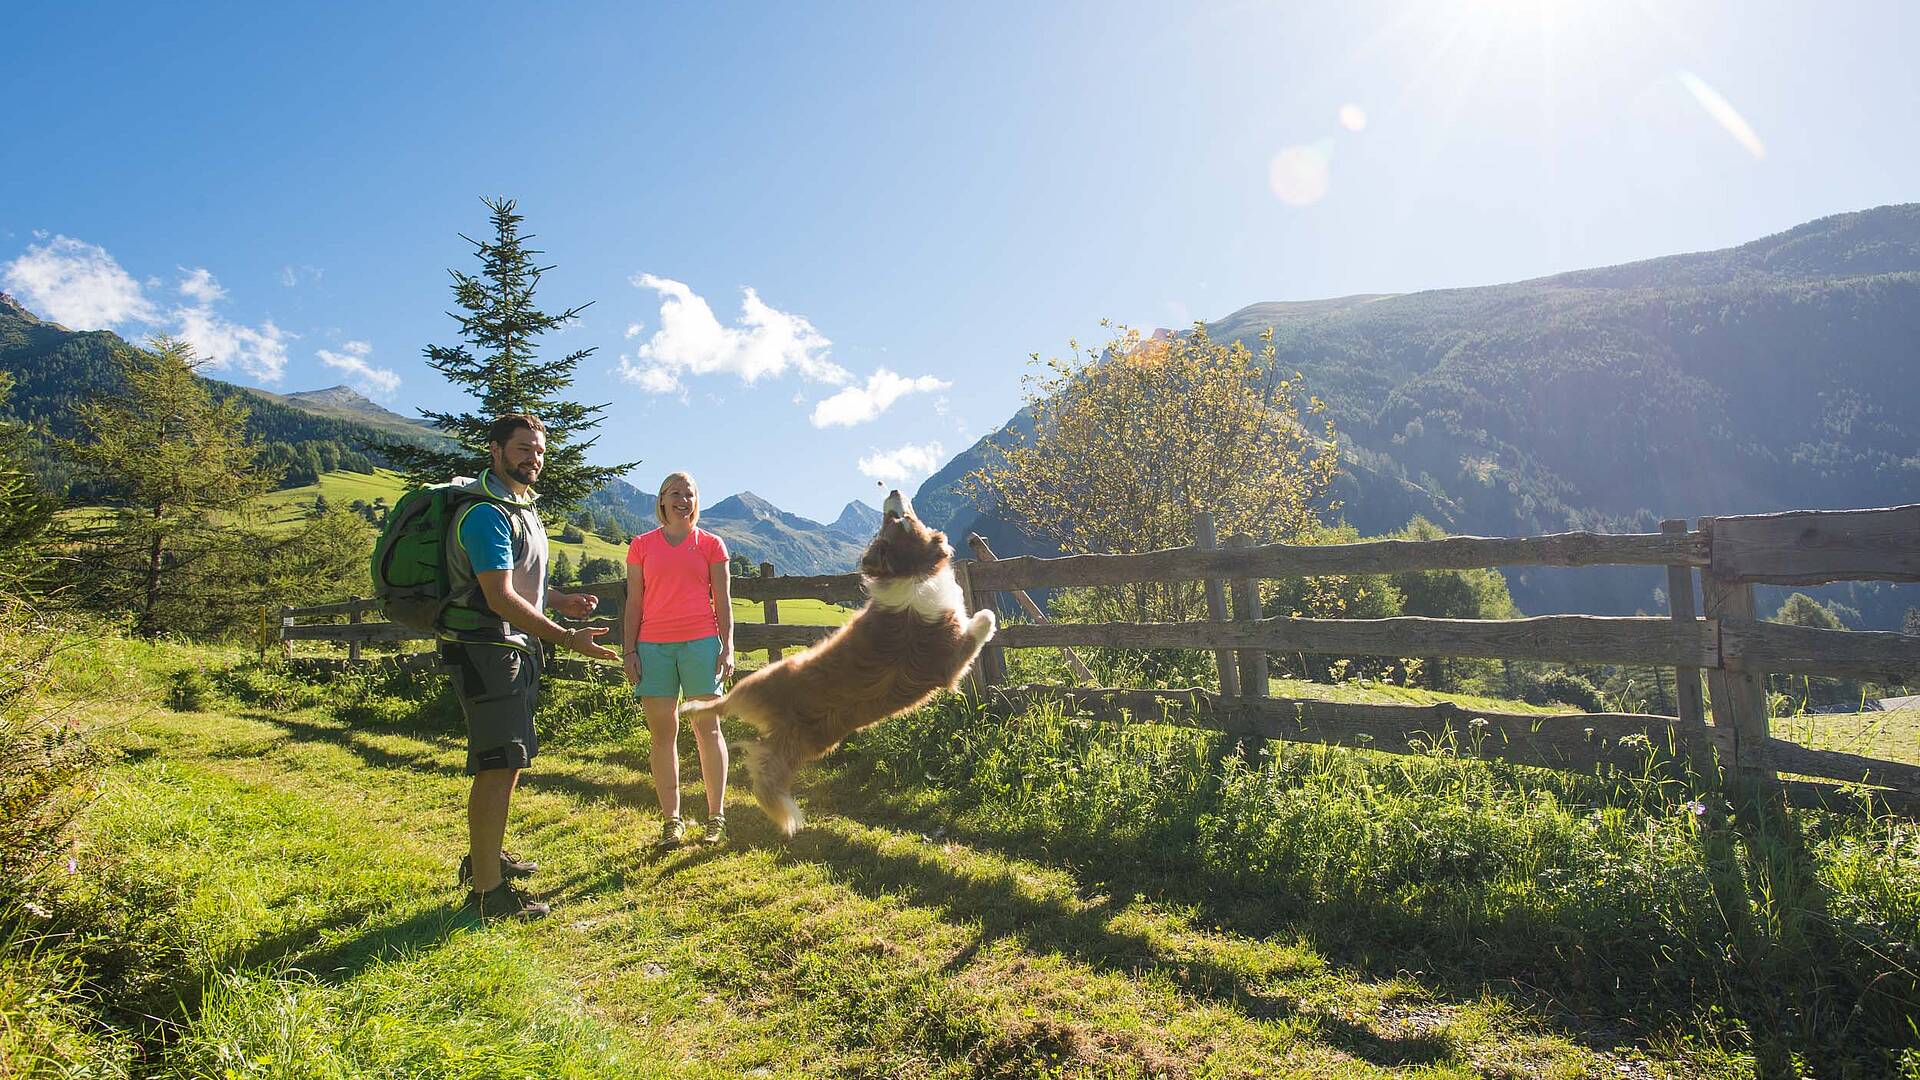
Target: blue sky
[[821, 240]]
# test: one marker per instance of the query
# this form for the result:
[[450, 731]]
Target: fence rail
[[1729, 647]]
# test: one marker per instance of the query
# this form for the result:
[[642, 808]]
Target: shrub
[[187, 690]]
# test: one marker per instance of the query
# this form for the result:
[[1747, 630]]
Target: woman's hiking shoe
[[672, 834], [507, 902], [511, 866], [716, 830]]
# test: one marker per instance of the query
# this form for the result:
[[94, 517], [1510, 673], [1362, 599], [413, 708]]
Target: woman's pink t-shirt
[[676, 603]]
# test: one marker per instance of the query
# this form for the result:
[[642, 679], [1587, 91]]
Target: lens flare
[[1353, 117], [1299, 175], [1724, 113]]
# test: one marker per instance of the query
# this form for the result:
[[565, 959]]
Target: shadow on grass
[[423, 929], [1365, 939], [1003, 909]]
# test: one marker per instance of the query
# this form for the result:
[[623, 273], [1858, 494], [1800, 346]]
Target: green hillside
[[284, 508]]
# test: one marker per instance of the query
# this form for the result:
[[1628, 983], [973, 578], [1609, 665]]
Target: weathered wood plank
[[832, 588], [343, 607], [1792, 757], [379, 631], [1739, 689], [1205, 539], [611, 594], [992, 662], [1560, 741], [1246, 609], [1809, 547], [1805, 650], [769, 610], [1689, 702], [1572, 638], [976, 680], [1810, 795], [762, 636], [983, 552], [1370, 557]]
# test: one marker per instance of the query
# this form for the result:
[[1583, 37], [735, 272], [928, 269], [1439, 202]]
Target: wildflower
[[1695, 807], [1478, 722]]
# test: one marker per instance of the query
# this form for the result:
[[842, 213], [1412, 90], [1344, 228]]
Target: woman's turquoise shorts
[[678, 668]]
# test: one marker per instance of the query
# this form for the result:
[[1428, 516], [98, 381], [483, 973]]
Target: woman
[[679, 640]]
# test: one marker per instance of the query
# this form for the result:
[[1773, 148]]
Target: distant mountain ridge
[[763, 532], [1778, 374]]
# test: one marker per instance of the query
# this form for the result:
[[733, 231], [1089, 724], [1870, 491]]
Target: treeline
[[300, 464]]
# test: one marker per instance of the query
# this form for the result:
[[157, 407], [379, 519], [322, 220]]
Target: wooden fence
[[1725, 642]]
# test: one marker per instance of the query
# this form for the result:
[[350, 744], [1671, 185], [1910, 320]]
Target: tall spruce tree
[[499, 366]]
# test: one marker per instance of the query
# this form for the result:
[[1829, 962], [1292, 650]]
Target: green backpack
[[411, 579]]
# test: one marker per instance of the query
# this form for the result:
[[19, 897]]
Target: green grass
[[283, 509], [272, 876]]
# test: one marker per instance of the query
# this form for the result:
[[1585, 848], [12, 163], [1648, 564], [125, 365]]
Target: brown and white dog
[[912, 639]]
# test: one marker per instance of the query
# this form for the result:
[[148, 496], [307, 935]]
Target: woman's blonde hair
[[660, 500]]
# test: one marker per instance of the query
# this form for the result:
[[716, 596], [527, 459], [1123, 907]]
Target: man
[[497, 566]]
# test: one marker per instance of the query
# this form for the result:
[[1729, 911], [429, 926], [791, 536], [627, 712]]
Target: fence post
[[983, 552], [1688, 704], [772, 609], [353, 619], [1205, 540], [993, 658], [1739, 693], [976, 675], [1246, 604], [286, 620]]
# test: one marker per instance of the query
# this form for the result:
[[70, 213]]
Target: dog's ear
[[878, 561]]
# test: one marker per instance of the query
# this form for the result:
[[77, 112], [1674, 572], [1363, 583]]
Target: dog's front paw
[[982, 625]]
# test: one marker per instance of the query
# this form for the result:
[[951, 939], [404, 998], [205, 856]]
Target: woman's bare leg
[[663, 724], [713, 758]]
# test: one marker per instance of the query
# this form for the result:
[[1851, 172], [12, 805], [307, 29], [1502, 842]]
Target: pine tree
[[26, 512], [499, 366], [183, 473]]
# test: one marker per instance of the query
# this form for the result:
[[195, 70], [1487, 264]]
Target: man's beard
[[525, 474]]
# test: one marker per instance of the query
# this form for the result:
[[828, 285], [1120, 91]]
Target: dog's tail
[[772, 761], [716, 706]]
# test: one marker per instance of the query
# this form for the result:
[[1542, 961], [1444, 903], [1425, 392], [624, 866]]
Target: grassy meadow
[[284, 509], [261, 884]]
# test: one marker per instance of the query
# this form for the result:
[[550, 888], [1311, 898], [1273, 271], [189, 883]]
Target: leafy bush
[[187, 690]]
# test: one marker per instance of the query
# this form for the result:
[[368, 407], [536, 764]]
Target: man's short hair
[[502, 429]]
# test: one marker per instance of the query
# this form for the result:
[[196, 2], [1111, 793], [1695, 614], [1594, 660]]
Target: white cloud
[[76, 284], [260, 352], [859, 404], [199, 285], [653, 378], [762, 342], [374, 381], [903, 463], [633, 330], [288, 277]]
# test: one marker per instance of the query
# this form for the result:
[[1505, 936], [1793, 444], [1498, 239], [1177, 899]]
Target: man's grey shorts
[[498, 687]]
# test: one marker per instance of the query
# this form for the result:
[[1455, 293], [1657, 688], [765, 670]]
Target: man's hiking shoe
[[507, 902], [672, 834], [716, 830], [511, 866]]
